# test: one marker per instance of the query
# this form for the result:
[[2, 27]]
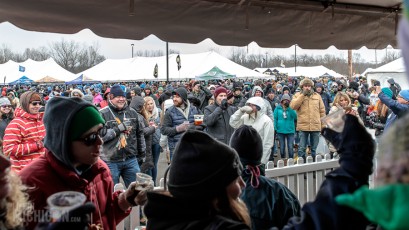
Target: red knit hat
[[219, 90]]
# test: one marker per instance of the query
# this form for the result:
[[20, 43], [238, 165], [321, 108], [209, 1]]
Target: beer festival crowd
[[217, 137]]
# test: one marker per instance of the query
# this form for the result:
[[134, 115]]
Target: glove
[[77, 218], [182, 127], [224, 104], [119, 129], [136, 194], [355, 146], [246, 109], [141, 160]]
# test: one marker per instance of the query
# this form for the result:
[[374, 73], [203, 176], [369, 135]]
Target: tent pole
[[167, 62]]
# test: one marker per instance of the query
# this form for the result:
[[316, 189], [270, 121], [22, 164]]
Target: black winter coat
[[217, 122]]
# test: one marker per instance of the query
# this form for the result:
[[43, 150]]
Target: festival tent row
[[395, 69], [305, 71], [31, 71], [144, 68]]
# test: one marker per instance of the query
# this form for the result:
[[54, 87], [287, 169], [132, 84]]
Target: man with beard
[[178, 118], [124, 142], [217, 117], [237, 93]]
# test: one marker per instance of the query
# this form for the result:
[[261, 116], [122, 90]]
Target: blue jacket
[[398, 109], [284, 125], [173, 117]]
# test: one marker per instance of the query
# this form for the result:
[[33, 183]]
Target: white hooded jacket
[[260, 122]]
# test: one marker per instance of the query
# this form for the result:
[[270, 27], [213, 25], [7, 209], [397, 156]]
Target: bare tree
[[39, 54]]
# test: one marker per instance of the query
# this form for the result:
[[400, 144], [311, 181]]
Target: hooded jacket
[[261, 122], [23, 136], [54, 171], [137, 104], [135, 141], [267, 110]]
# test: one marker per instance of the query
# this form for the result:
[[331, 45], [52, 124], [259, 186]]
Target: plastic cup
[[335, 120], [63, 202], [144, 181], [198, 119]]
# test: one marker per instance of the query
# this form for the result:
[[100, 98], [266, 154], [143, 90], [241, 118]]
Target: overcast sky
[[18, 40]]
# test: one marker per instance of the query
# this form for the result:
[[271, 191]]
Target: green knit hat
[[84, 120]]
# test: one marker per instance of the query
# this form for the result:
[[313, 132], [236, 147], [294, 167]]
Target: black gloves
[[355, 146], [224, 104], [77, 218]]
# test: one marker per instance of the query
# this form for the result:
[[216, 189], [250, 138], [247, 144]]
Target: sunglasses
[[6, 106], [35, 103], [93, 137]]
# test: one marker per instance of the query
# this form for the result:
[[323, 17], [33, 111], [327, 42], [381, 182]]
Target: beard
[[178, 103]]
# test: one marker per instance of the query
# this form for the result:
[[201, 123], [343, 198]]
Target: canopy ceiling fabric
[[312, 24]]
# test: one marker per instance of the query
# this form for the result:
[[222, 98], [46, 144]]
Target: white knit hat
[[4, 101]]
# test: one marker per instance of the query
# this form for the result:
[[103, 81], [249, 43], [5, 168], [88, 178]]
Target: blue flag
[[21, 68]]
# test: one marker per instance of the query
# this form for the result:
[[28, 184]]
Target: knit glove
[[136, 194], [246, 109], [224, 104], [307, 92], [385, 206], [182, 127], [355, 147]]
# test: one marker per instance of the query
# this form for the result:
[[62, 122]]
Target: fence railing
[[303, 180]]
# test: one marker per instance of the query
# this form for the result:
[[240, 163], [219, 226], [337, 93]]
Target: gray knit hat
[[4, 101]]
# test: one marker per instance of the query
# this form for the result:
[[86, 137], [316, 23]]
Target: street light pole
[[132, 49], [295, 58]]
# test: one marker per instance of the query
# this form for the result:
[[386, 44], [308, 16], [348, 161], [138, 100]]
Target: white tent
[[142, 68], [35, 70], [306, 71], [394, 69]]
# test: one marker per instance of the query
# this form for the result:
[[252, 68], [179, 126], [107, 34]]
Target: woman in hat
[[23, 138], [72, 163], [203, 189], [6, 115]]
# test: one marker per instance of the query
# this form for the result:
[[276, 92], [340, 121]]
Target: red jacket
[[48, 176], [23, 138]]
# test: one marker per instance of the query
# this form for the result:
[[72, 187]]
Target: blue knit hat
[[388, 92], [117, 91], [405, 94]]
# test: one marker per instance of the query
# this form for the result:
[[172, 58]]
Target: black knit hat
[[182, 92], [117, 91], [202, 167], [248, 144]]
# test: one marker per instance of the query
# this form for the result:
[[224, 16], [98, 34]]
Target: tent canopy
[[395, 69], [35, 70], [80, 80], [22, 81], [215, 74], [306, 71], [312, 24], [142, 68], [49, 79]]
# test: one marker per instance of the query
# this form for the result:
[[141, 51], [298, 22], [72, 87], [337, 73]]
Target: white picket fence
[[303, 180]]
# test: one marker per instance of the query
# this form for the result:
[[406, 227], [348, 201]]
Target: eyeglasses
[[6, 106], [93, 137], [35, 103]]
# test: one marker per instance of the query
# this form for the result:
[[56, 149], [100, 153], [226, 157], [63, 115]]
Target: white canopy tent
[[306, 71], [395, 69], [142, 68], [35, 70]]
